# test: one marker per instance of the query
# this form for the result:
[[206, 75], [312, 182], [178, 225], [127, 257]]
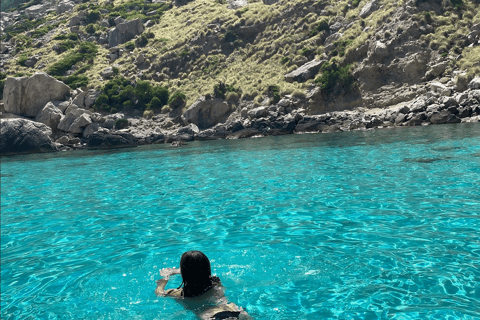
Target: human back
[[201, 293]]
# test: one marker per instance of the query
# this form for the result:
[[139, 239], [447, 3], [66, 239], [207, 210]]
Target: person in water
[[201, 292]]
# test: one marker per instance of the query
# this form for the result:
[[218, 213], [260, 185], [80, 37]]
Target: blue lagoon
[[358, 225]]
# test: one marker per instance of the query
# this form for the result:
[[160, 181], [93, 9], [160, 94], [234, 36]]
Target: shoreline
[[258, 122]]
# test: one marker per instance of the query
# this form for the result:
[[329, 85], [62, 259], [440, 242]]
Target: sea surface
[[379, 224]]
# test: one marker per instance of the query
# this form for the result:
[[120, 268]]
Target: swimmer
[[202, 293]]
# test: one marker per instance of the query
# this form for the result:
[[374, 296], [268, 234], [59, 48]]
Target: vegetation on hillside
[[195, 48]]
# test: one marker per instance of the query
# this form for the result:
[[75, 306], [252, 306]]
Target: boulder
[[100, 140], [368, 9], [25, 136], [80, 123], [119, 20], [305, 72], [124, 32], [62, 105], [35, 11], [474, 84], [79, 99], [438, 87], [50, 115], [436, 70], [75, 120], [205, 113], [378, 51], [139, 60], [91, 128], [236, 4], [28, 95], [107, 73], [64, 6], [90, 98], [77, 20], [444, 116], [32, 61], [258, 112]]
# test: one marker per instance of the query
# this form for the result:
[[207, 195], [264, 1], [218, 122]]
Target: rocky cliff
[[179, 70]]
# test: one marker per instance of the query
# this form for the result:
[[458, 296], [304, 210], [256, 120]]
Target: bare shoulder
[[176, 293]]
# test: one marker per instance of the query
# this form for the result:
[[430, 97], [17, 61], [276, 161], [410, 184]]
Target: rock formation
[[28, 95], [25, 136]]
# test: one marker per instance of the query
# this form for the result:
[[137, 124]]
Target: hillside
[[322, 55]]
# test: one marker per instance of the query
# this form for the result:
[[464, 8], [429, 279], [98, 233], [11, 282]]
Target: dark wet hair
[[196, 273]]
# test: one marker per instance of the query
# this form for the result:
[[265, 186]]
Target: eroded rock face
[[25, 136], [124, 32], [28, 95], [205, 113], [50, 115]]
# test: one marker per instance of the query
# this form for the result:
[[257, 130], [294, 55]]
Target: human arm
[[165, 273]]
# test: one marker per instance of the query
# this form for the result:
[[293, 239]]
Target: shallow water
[[358, 225]]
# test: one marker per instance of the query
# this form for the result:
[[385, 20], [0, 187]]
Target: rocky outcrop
[[25, 136], [124, 32], [474, 84], [205, 113], [75, 120], [305, 72], [236, 4], [368, 9], [28, 95], [110, 140], [50, 116], [64, 6]]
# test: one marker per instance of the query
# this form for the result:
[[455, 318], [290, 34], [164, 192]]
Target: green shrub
[[306, 51], [232, 97], [219, 90], [333, 75], [85, 51], [102, 99], [65, 46], [141, 41], [457, 4], [166, 109], [130, 45], [121, 124], [22, 59], [92, 16], [284, 60], [275, 93], [355, 3], [177, 100], [91, 28], [75, 81], [341, 45], [230, 36], [155, 103], [3, 77], [118, 93], [322, 25]]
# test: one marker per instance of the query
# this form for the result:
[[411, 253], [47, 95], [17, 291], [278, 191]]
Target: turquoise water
[[358, 225]]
